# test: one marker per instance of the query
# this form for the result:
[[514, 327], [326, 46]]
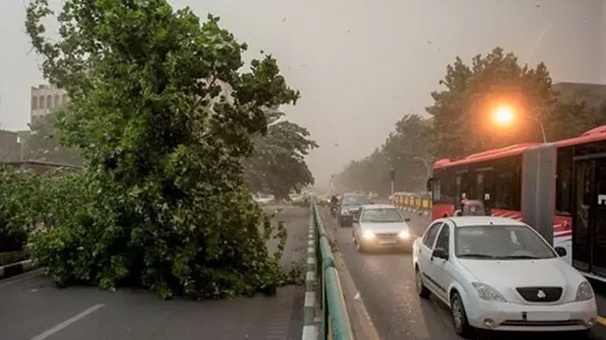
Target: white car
[[380, 226], [499, 274]]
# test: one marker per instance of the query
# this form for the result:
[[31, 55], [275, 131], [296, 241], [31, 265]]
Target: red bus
[[558, 188]]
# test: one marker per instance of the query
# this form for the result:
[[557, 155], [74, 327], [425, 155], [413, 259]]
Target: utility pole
[[392, 175]]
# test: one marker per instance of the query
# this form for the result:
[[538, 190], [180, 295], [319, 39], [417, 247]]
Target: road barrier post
[[335, 322]]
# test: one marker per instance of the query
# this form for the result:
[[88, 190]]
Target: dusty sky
[[361, 65]]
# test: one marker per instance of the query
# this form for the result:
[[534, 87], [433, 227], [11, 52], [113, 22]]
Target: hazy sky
[[361, 65]]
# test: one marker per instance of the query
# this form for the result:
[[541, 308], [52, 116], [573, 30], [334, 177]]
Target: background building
[[45, 98], [592, 94]]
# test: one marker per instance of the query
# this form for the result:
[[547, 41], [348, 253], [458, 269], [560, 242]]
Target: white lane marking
[[66, 323]]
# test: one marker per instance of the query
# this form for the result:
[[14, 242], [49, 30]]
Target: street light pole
[[392, 175], [426, 163], [536, 120]]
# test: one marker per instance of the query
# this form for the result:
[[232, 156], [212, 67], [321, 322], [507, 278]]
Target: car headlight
[[344, 212], [584, 292], [404, 235], [488, 293], [367, 234]]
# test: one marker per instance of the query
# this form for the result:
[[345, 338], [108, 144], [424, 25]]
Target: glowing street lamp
[[505, 115]]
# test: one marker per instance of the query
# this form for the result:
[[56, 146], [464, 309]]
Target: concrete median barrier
[[326, 315]]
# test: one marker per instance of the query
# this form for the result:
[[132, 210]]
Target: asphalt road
[[386, 285], [31, 308]]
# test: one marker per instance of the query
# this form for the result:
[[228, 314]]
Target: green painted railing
[[335, 323]]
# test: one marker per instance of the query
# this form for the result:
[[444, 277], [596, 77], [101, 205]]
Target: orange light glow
[[503, 115]]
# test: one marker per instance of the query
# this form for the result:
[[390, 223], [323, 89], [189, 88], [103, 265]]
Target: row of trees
[[461, 121], [276, 165], [171, 134]]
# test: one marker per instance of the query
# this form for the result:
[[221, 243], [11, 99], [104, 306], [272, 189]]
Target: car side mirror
[[407, 219], [561, 251], [440, 253]]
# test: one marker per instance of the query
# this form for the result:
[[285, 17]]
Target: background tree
[[462, 120], [463, 113], [163, 117], [277, 164], [43, 144], [406, 149]]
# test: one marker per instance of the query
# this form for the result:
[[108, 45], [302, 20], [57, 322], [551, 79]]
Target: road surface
[[386, 285], [31, 308]]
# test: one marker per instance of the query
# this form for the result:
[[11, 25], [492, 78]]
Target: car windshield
[[355, 200], [387, 215], [500, 243]]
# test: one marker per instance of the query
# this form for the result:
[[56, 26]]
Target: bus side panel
[[562, 235], [439, 210]]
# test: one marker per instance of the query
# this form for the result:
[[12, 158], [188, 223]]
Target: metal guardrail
[[323, 288]]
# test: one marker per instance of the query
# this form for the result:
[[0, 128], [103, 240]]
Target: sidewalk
[[32, 308]]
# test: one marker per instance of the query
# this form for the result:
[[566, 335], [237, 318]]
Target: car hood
[[385, 228], [522, 273]]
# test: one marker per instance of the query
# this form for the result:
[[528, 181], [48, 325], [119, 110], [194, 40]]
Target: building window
[[57, 102], [64, 99], [49, 102], [34, 103], [41, 104]]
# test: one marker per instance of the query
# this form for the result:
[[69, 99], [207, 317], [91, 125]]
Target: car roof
[[378, 206], [473, 221]]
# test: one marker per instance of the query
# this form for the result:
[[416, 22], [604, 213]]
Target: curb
[[362, 324], [310, 330], [16, 268]]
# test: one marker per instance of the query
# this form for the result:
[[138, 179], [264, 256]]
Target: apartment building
[[45, 98]]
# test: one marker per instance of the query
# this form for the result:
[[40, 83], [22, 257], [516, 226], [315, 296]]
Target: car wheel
[[422, 291], [459, 316]]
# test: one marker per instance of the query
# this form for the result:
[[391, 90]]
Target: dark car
[[348, 207]]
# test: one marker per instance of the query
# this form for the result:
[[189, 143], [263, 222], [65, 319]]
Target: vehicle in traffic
[[381, 226], [558, 188], [500, 274], [349, 204]]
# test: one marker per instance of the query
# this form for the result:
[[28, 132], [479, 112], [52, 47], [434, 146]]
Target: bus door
[[461, 188], [484, 188], [589, 218]]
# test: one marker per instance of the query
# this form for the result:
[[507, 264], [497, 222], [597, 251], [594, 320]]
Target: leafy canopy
[[406, 149], [277, 165], [462, 116], [162, 117]]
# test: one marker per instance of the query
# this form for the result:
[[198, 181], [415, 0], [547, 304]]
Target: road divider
[[17, 268], [323, 294]]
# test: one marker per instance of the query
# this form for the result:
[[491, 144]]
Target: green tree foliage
[[162, 117], [19, 211], [462, 118], [44, 145], [406, 149], [277, 165], [463, 113]]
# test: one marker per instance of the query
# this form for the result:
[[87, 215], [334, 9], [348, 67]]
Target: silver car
[[381, 226]]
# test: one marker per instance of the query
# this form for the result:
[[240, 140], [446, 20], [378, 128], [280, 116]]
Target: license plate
[[547, 316], [387, 242]]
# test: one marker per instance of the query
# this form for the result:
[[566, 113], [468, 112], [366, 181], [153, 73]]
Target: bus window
[[507, 185], [564, 181], [446, 187]]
